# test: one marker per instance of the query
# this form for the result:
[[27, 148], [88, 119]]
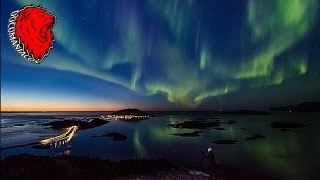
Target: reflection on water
[[282, 154], [138, 146]]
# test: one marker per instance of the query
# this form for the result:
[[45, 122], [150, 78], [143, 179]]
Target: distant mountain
[[246, 112], [133, 112], [302, 107]]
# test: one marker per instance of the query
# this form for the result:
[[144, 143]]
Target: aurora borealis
[[168, 54]]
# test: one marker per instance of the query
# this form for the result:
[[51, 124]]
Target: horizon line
[[145, 110]]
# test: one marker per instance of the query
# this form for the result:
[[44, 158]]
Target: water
[[283, 155]]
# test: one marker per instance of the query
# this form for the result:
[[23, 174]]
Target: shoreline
[[81, 167]]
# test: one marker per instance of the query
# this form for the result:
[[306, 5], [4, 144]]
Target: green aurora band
[[187, 77]]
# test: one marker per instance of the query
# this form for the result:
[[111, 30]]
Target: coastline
[[76, 167]]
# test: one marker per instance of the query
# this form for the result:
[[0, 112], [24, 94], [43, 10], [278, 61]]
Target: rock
[[256, 136], [219, 128], [225, 141], [195, 124], [198, 173], [287, 130], [215, 118], [114, 136], [192, 134], [93, 122], [286, 125], [242, 128], [28, 166], [232, 122]]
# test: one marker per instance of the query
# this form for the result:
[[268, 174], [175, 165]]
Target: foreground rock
[[69, 167], [114, 136], [284, 125], [179, 174], [28, 166], [94, 122]]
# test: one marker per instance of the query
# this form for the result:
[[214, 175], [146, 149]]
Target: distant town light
[[124, 117]]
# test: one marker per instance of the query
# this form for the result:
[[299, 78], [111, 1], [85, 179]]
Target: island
[[114, 136], [127, 115], [90, 123]]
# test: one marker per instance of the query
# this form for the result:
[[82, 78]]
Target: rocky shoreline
[[27, 166]]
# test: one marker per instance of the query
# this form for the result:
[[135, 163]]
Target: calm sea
[[286, 155]]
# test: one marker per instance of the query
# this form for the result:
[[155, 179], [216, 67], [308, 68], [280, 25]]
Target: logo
[[30, 32]]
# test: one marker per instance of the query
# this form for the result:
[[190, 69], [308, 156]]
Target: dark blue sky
[[167, 55]]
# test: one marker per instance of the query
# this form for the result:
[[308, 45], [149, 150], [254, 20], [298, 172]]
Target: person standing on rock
[[210, 164]]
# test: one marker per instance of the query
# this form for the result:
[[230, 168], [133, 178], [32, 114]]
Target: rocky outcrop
[[114, 136], [91, 123]]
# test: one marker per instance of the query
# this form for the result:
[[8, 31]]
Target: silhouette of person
[[210, 165]]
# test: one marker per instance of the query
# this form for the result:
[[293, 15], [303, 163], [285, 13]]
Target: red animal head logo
[[33, 30]]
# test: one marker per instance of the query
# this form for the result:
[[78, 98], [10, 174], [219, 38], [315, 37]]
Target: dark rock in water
[[27, 166], [18, 124], [287, 130], [225, 141], [219, 128], [256, 136], [215, 118], [40, 146], [232, 122], [195, 124], [286, 125], [302, 107], [117, 136], [201, 119], [246, 112], [93, 122], [242, 128], [114, 136], [192, 134]]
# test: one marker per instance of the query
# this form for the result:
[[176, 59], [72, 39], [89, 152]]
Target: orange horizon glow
[[18, 108], [73, 107]]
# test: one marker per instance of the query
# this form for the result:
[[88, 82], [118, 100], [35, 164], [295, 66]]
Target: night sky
[[167, 55]]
